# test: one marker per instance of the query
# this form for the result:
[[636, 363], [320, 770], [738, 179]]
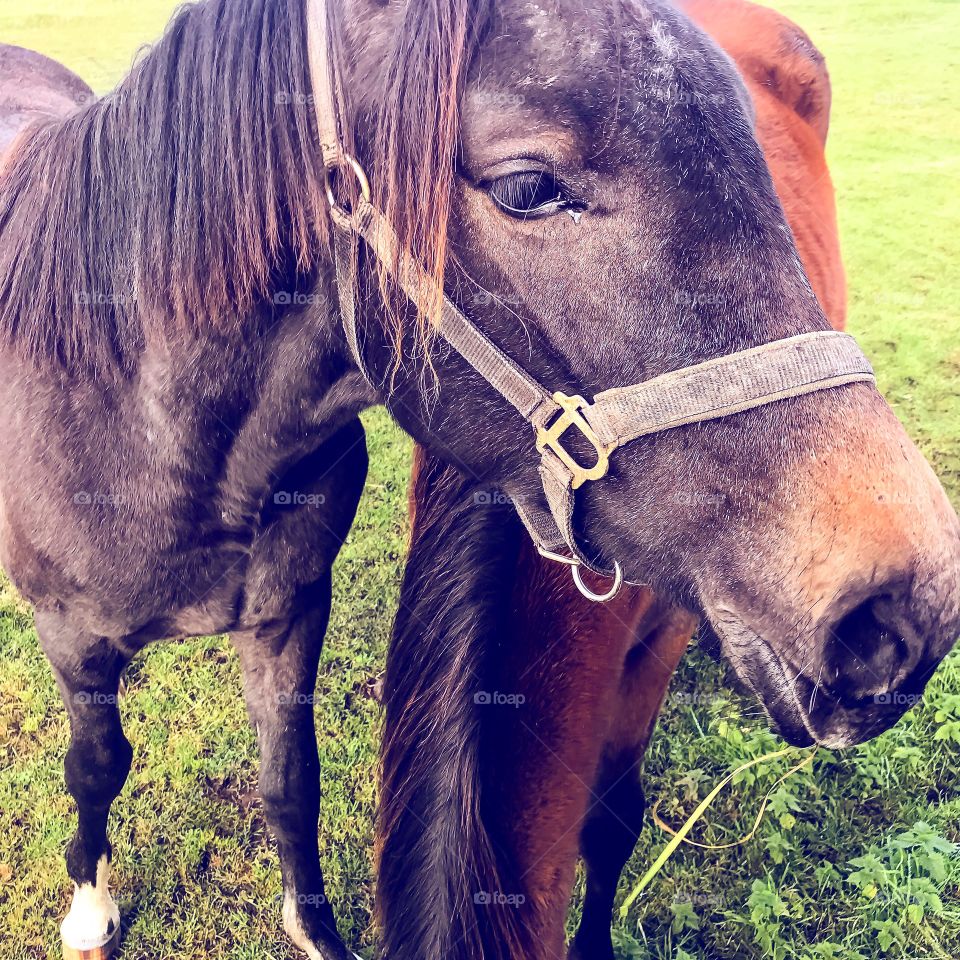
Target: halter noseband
[[708, 391]]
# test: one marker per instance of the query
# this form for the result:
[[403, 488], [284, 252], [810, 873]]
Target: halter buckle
[[572, 417]]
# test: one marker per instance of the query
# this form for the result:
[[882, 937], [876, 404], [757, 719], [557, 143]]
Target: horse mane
[[192, 194], [437, 848]]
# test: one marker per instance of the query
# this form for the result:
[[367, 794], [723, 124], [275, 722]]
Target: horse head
[[598, 181]]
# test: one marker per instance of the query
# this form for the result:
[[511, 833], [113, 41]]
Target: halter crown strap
[[717, 388]]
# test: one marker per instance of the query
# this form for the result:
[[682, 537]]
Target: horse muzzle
[[850, 678]]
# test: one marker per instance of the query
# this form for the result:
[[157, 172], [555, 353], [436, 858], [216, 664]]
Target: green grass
[[840, 868]]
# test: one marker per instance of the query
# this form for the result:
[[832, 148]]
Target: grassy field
[[856, 858]]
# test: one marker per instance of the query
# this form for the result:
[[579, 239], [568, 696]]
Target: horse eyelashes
[[525, 194]]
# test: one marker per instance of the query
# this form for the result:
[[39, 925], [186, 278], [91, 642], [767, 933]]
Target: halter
[[708, 391]]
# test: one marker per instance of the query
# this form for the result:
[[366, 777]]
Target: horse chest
[[196, 503]]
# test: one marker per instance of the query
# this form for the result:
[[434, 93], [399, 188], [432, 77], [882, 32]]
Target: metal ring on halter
[[598, 597], [345, 161], [575, 566]]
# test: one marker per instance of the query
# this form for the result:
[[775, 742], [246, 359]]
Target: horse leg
[[280, 662], [563, 661], [607, 840], [486, 837], [285, 616], [88, 672], [612, 827]]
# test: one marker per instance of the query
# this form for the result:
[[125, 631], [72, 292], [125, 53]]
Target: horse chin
[[801, 712], [761, 671], [836, 725]]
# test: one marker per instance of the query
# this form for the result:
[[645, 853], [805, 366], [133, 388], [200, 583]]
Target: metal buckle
[[571, 417], [575, 567]]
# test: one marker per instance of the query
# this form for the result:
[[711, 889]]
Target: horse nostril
[[865, 656]]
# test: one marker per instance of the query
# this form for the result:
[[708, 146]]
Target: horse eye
[[527, 195]]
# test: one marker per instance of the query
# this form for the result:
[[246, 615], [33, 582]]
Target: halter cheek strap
[[708, 391]]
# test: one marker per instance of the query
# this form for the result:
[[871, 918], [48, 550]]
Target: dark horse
[[553, 772], [180, 451]]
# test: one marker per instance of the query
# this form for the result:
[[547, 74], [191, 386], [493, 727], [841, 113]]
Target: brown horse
[[181, 451], [559, 774]]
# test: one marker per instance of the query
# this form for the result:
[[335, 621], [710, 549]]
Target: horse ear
[[800, 78], [791, 68]]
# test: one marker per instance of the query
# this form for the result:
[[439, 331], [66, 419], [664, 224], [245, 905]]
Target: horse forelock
[[416, 141]]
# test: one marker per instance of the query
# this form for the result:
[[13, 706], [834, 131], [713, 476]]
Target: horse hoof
[[95, 953]]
